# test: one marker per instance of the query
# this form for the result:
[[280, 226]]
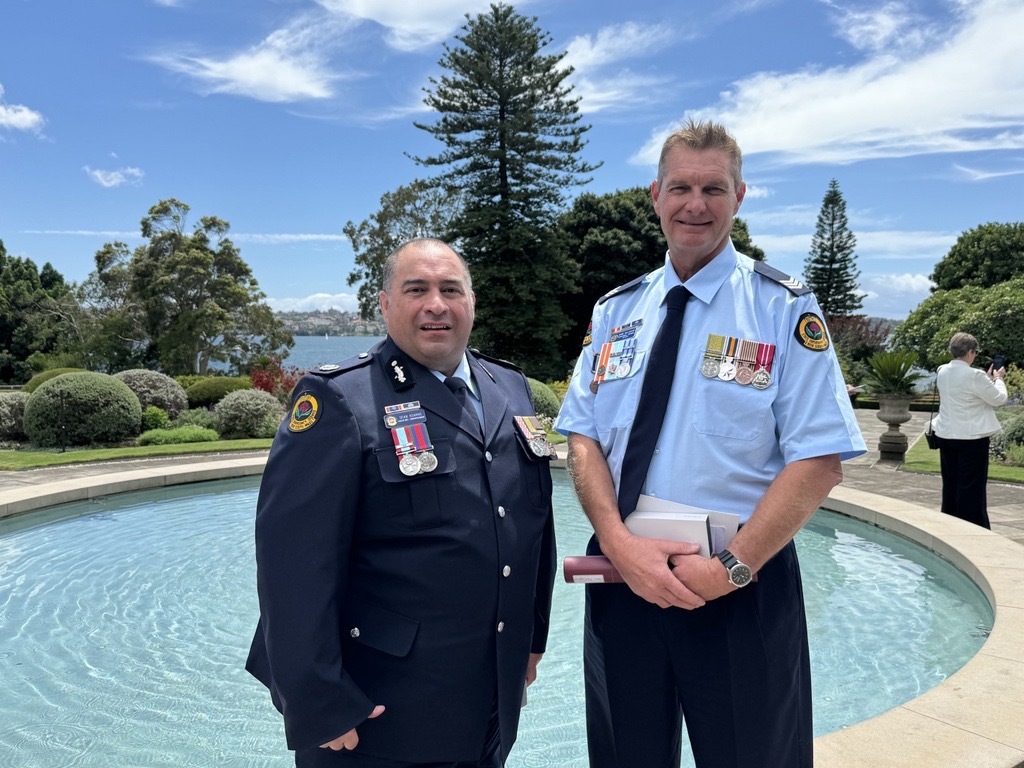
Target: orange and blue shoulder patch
[[304, 413], [810, 332]]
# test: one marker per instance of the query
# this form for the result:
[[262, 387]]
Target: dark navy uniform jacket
[[425, 594]]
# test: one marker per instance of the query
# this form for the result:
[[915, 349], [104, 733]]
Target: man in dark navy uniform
[[404, 541]]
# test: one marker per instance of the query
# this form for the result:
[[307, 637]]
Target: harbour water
[[311, 351]]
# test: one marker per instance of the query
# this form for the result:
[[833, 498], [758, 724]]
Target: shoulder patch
[[810, 332], [304, 413], [791, 284], [333, 369], [632, 285]]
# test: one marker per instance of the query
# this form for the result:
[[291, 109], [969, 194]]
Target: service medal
[[726, 370], [744, 375], [709, 367], [623, 370], [428, 462], [539, 447], [762, 379], [409, 465]]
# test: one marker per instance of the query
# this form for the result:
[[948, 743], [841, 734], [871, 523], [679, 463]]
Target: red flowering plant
[[269, 375]]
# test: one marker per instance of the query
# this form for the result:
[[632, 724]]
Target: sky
[[289, 118]]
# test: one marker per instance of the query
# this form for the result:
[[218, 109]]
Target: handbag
[[929, 435]]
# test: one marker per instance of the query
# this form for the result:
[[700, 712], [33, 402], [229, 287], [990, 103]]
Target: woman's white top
[[967, 402]]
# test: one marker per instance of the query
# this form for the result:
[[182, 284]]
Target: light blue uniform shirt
[[721, 444]]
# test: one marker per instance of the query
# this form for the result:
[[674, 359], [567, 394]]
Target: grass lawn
[[920, 458], [35, 459]]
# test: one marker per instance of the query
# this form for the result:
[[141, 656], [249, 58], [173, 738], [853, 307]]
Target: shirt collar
[[712, 276], [464, 372]]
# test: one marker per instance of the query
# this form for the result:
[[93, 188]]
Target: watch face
[[740, 575]]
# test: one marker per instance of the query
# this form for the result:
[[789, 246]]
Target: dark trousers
[[964, 466], [737, 670], [329, 758]]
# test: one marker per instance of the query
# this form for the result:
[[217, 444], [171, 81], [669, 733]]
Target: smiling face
[[696, 198], [428, 307]]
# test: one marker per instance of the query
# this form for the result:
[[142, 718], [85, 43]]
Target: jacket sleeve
[[546, 567], [305, 516]]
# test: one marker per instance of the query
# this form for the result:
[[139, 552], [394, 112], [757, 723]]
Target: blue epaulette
[[333, 369], [632, 285], [791, 284]]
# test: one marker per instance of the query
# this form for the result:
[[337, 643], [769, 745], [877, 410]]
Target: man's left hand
[[705, 576], [531, 668]]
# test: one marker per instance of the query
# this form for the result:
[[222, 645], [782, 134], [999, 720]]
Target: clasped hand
[[644, 564]]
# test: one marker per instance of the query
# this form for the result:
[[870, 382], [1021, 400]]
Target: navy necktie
[[460, 389], [650, 410]]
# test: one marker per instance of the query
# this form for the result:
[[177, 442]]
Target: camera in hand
[[998, 362]]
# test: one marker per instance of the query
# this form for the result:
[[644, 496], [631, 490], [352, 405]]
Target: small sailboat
[[326, 336]]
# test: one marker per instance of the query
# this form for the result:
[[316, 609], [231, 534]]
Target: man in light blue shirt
[[757, 423]]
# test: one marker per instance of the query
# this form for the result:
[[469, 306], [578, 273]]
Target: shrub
[[153, 388], [1013, 431], [82, 408], [12, 415], [245, 414], [1015, 455], [210, 391], [188, 379], [545, 401], [269, 375], [155, 418], [178, 435], [197, 417], [39, 378]]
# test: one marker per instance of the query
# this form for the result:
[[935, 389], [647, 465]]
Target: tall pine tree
[[512, 138], [831, 269]]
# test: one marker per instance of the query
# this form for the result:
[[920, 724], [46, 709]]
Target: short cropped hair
[[703, 136], [388, 274], [961, 344]]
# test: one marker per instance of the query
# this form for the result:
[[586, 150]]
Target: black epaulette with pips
[[632, 285], [333, 369]]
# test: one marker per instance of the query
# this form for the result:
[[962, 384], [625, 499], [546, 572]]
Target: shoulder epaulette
[[791, 284], [630, 286], [492, 359], [333, 369]]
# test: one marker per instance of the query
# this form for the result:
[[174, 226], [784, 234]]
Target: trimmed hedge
[[209, 392], [250, 413], [197, 417], [154, 388], [155, 418], [80, 409], [44, 376], [178, 435], [12, 415], [545, 401]]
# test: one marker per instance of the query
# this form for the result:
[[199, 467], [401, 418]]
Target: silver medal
[[727, 370], [409, 465], [709, 367], [762, 379], [428, 461]]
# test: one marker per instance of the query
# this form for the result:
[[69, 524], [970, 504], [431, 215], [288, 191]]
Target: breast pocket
[[424, 500], [616, 398], [728, 409]]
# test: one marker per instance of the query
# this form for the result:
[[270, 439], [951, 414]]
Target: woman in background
[[967, 400]]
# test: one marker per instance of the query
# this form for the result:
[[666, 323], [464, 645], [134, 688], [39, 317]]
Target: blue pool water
[[124, 624]]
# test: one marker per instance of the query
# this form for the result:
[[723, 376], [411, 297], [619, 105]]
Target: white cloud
[[961, 88], [975, 174], [412, 25], [755, 192], [592, 56], [17, 117], [890, 26], [905, 283], [290, 64], [345, 302], [117, 178]]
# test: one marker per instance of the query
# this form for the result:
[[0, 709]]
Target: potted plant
[[891, 378]]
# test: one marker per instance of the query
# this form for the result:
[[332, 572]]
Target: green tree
[[419, 209], [831, 270], [613, 238], [995, 316], [742, 241], [28, 323], [984, 256], [512, 142], [180, 301]]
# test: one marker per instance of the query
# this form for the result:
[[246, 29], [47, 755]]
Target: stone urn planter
[[893, 410], [891, 379]]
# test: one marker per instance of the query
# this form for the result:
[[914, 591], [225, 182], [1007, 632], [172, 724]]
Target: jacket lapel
[[494, 400]]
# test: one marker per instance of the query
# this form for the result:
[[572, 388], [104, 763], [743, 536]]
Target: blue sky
[[288, 118]]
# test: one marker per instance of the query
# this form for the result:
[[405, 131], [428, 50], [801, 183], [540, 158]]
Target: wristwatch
[[739, 573]]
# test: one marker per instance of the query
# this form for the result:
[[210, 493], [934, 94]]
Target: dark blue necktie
[[650, 410], [460, 389]]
